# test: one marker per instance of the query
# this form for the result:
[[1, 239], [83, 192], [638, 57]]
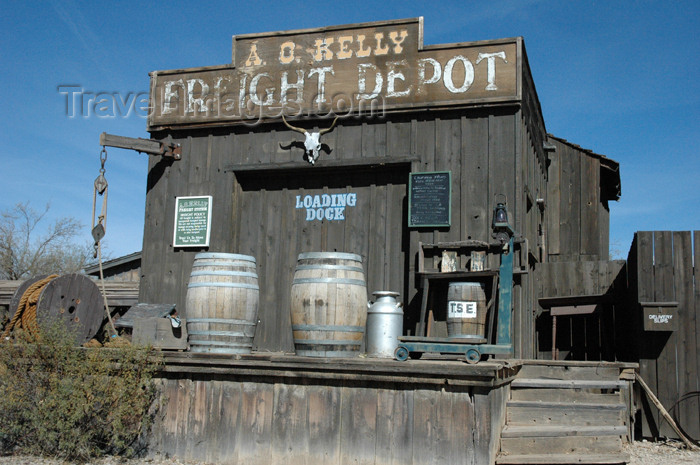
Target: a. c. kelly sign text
[[362, 69]]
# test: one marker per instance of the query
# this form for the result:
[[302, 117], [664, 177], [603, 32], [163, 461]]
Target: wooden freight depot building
[[464, 117], [468, 109]]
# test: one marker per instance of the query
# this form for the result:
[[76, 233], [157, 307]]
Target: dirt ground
[[641, 453], [661, 453]]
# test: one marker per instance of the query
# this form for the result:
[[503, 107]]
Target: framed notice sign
[[429, 199], [192, 221]]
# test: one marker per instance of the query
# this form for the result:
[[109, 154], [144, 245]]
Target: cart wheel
[[415, 355], [401, 354], [473, 356]]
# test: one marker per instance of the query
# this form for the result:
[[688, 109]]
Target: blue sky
[[619, 78]]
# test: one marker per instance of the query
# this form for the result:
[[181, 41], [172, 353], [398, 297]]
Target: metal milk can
[[384, 324]]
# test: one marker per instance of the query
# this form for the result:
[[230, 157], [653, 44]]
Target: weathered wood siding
[[578, 216], [254, 180], [221, 421], [531, 185], [663, 268], [344, 418]]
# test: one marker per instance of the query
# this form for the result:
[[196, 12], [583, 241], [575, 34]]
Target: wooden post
[[554, 337], [664, 413], [505, 298]]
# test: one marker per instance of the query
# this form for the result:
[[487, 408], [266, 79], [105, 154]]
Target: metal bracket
[[149, 146]]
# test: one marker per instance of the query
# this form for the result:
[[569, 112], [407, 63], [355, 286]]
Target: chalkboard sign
[[192, 221], [429, 200]]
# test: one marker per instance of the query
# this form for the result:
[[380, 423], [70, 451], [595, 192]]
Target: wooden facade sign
[[192, 221], [360, 69], [430, 199]]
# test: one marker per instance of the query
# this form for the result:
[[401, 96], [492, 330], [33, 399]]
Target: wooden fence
[[664, 304]]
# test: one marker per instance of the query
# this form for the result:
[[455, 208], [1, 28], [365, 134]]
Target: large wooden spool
[[328, 304], [14, 302], [73, 301], [466, 310], [222, 303]]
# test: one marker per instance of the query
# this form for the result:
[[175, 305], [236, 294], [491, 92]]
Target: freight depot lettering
[[338, 73]]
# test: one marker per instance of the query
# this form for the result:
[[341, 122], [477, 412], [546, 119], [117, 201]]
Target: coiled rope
[[26, 310]]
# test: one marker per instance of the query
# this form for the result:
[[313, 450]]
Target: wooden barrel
[[328, 304], [466, 310], [222, 303]]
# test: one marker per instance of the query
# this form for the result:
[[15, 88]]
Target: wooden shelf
[[452, 275], [323, 164], [442, 246], [559, 301], [468, 244]]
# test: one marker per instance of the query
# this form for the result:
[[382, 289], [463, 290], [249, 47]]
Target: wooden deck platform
[[275, 408], [270, 408], [430, 371]]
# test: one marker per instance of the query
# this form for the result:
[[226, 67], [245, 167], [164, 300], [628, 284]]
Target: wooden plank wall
[[371, 229], [488, 152], [266, 420], [663, 268], [584, 337], [531, 185], [577, 213]]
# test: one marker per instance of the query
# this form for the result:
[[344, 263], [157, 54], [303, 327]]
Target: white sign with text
[[461, 309]]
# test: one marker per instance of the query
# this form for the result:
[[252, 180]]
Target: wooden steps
[[560, 431], [564, 415], [545, 459], [526, 413]]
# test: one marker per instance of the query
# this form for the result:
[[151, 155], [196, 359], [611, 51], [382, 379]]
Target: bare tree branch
[[25, 251]]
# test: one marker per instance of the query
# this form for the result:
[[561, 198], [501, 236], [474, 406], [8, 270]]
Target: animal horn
[[323, 131], [292, 127]]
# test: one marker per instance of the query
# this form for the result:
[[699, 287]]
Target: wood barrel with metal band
[[222, 303], [466, 310], [328, 304]]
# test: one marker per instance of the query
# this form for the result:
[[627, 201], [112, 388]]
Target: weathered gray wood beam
[[149, 146]]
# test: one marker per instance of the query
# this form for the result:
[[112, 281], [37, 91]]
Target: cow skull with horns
[[312, 143]]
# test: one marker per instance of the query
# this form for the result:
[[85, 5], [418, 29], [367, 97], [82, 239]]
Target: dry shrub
[[74, 403]]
